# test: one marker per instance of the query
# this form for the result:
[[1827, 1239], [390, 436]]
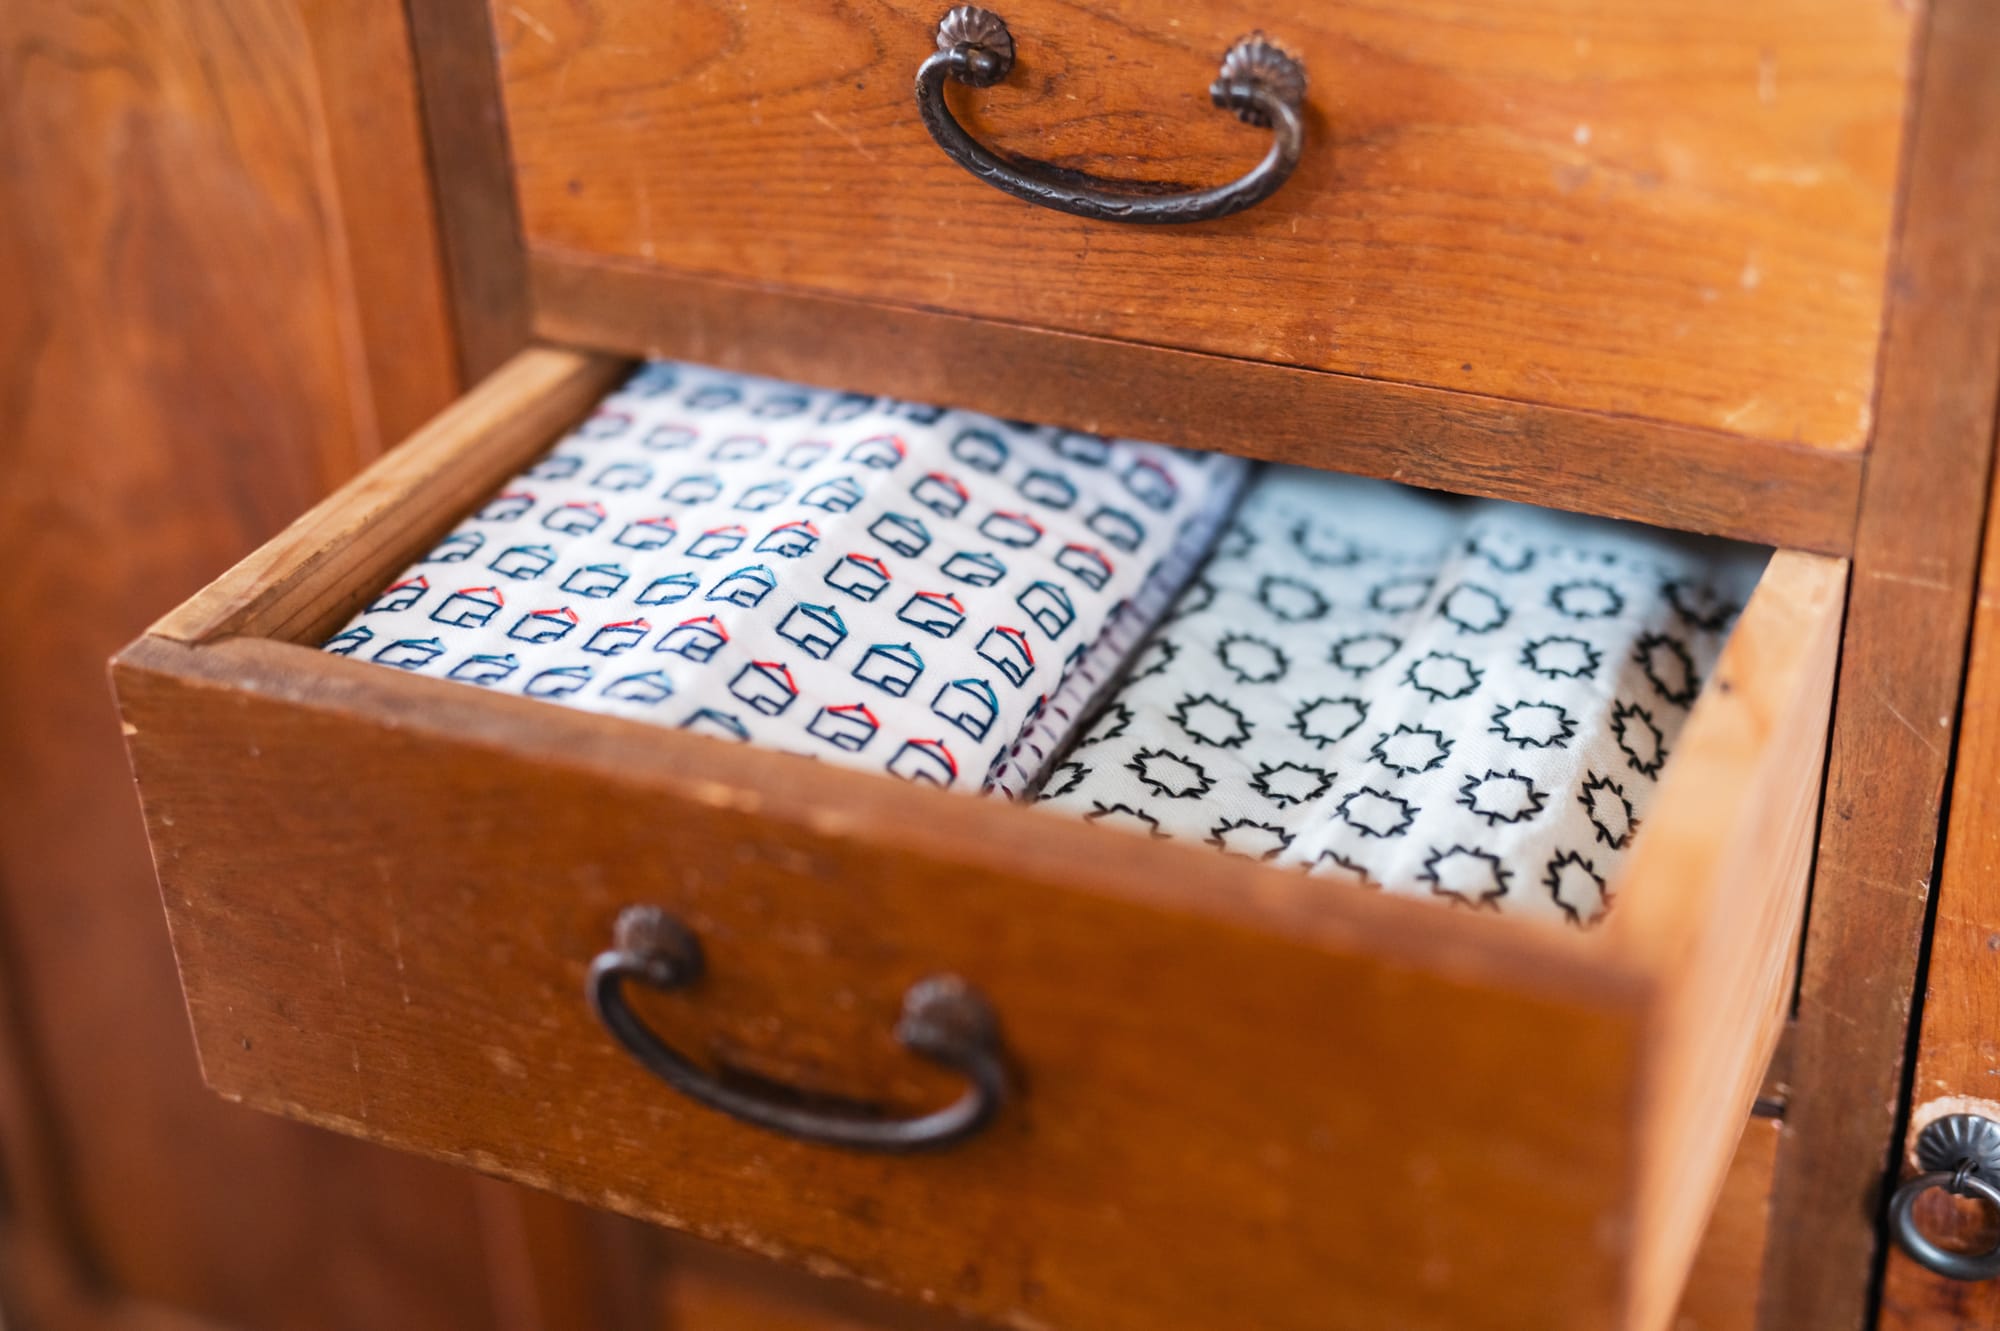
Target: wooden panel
[[1694, 480], [184, 309], [1915, 557], [1958, 1060], [1728, 1270], [1677, 211]]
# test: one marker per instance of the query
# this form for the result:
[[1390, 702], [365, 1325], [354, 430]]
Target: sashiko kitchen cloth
[[874, 583], [1469, 699]]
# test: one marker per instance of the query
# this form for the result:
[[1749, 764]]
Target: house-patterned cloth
[[875, 583], [1469, 699]]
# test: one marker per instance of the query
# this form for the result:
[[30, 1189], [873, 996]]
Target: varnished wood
[[1558, 1079], [1728, 1269], [1961, 1010], [1695, 480], [1676, 211], [213, 308], [1915, 555], [480, 226]]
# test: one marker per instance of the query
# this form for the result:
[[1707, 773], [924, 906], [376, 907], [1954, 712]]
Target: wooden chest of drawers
[[1631, 264]]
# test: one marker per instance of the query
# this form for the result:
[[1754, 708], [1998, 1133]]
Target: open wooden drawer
[[1242, 1097]]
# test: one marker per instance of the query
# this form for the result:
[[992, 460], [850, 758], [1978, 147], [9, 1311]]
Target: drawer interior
[[417, 843]]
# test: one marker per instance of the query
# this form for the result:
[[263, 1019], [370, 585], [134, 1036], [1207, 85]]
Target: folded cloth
[[879, 584], [1469, 699]]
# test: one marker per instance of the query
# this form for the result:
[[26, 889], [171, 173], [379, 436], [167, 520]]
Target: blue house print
[[469, 607], [969, 704], [648, 687], [848, 728], [647, 533], [880, 453], [401, 595], [975, 567], [1049, 606], [721, 725], [557, 683], [980, 450], [621, 476], [506, 507], [738, 448], [765, 494], [596, 581], [804, 454], [697, 489], [717, 542], [940, 494], [669, 588], [1117, 528], [1090, 450], [604, 423], [747, 586], [936, 613], [1086, 564], [697, 640], [815, 629], [620, 637], [555, 467], [523, 561], [670, 438], [653, 379], [458, 546], [926, 762], [714, 397], [1051, 489], [861, 576], [410, 653], [845, 408], [1151, 484], [576, 518], [789, 540], [905, 535], [348, 642], [539, 626], [1015, 529], [782, 405], [890, 667], [766, 685], [838, 495], [1006, 650], [485, 669]]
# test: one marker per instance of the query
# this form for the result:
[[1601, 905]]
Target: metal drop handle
[[1961, 1154], [944, 1019], [1258, 81]]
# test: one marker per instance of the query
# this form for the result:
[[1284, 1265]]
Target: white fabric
[[1469, 699], [874, 583]]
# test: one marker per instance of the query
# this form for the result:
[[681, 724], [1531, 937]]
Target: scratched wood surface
[[1676, 210], [1958, 1059]]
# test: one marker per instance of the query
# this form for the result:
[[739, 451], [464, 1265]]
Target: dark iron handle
[[944, 1020], [1961, 1154], [1259, 82]]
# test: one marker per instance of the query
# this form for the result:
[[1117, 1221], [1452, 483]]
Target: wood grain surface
[[1668, 475], [1916, 555], [1679, 211], [1958, 1059]]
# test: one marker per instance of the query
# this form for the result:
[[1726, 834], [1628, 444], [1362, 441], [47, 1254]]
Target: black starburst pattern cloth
[[1470, 700]]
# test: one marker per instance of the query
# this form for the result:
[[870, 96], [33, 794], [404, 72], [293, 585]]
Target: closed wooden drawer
[[1241, 1097], [1676, 211]]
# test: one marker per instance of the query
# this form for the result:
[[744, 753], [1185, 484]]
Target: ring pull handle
[[1259, 82], [1961, 1154], [944, 1020]]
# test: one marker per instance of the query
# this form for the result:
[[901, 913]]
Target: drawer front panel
[[1677, 211], [1237, 1112]]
